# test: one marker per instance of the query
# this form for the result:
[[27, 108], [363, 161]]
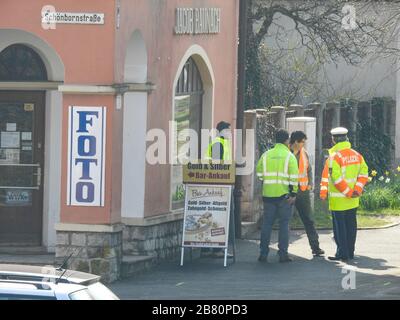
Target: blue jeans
[[283, 210]]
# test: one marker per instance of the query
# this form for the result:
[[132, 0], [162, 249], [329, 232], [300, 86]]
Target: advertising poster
[[206, 218]]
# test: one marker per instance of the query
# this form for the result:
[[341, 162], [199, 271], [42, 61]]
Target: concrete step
[[134, 265], [248, 229], [26, 259]]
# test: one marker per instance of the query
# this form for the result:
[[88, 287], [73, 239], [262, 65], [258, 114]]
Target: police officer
[[220, 149], [278, 170], [343, 180], [303, 203]]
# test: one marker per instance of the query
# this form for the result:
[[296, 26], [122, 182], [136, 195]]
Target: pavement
[[374, 274]]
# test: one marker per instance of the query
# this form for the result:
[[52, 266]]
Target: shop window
[[188, 113], [21, 63]]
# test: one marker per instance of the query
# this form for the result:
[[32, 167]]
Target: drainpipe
[[240, 104]]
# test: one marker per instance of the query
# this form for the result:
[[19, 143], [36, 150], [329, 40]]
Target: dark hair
[[340, 138], [281, 136], [297, 136], [223, 125]]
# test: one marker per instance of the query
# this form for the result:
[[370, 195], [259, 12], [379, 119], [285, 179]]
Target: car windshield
[[81, 295], [100, 292], [96, 291]]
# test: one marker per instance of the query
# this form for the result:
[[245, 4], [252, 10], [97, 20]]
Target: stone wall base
[[99, 253], [162, 241]]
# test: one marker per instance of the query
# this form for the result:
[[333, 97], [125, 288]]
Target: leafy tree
[[327, 34]]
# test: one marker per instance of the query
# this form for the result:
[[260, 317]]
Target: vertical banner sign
[[86, 156], [206, 217]]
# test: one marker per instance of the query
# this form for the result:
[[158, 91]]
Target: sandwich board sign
[[207, 209]]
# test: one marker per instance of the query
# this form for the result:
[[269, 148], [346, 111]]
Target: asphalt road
[[374, 274]]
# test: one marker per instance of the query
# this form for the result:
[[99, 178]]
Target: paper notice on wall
[[11, 127], [9, 156], [26, 136], [18, 198], [26, 146], [9, 139]]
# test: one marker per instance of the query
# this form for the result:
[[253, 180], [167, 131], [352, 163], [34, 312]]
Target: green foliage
[[253, 96], [382, 193], [373, 143], [376, 198], [179, 193], [265, 133]]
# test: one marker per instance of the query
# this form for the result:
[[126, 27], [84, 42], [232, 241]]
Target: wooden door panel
[[21, 167]]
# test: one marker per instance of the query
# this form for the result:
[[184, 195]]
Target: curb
[[363, 228]]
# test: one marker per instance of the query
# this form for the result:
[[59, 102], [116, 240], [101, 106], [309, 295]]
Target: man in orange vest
[[303, 203]]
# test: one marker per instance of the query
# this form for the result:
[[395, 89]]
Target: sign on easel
[[207, 209], [207, 216]]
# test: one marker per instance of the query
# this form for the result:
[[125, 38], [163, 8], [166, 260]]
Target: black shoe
[[334, 258], [262, 259], [318, 252], [285, 259]]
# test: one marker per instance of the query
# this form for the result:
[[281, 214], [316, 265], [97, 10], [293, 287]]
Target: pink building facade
[[81, 86]]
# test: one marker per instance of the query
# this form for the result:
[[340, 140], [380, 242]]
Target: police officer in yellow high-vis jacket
[[220, 150], [278, 170], [343, 180], [220, 147]]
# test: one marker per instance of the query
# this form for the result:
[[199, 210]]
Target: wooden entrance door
[[21, 167]]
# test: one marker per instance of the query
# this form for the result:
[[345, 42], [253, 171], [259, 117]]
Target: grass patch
[[324, 221], [365, 219], [381, 212], [371, 221]]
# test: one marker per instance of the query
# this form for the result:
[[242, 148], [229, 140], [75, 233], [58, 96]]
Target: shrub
[[376, 198], [383, 192]]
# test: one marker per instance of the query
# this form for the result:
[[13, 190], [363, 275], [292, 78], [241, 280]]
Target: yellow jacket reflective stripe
[[346, 171], [278, 170]]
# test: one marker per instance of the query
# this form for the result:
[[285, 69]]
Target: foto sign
[[86, 156]]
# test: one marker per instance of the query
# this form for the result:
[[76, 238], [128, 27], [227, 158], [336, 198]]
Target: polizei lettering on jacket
[[86, 156]]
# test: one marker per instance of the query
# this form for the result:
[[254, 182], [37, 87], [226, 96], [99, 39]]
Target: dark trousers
[[303, 206], [335, 234], [345, 232]]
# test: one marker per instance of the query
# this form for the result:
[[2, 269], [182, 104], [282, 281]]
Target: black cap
[[223, 125]]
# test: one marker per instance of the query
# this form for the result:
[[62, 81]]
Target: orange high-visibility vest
[[303, 170]]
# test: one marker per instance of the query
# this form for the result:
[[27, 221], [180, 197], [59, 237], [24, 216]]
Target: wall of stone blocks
[[97, 253], [162, 241]]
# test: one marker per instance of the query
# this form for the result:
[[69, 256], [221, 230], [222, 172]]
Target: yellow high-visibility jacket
[[345, 171], [278, 170]]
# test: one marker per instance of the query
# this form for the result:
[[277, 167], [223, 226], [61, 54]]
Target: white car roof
[[48, 272], [39, 289]]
